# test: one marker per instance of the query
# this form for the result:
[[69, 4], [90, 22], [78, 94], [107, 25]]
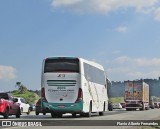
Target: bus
[[73, 85]]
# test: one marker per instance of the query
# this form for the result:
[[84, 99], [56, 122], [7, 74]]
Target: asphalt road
[[66, 120]]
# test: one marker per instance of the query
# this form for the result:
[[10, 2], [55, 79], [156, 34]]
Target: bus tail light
[[43, 95], [80, 95]]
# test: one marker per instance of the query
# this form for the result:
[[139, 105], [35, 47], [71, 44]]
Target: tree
[[21, 88]]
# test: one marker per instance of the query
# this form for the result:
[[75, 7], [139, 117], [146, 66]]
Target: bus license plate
[[61, 106]]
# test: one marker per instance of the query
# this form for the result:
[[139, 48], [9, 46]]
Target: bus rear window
[[61, 65]]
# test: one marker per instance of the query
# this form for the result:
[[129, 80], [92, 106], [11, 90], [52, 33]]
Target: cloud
[[122, 59], [151, 74], [121, 29], [103, 6], [58, 3], [7, 72], [127, 68], [107, 6], [138, 61], [157, 14], [147, 62], [116, 52]]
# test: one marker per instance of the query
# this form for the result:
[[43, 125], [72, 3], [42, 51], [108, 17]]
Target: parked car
[[24, 106], [117, 106], [8, 106], [110, 106], [39, 108]]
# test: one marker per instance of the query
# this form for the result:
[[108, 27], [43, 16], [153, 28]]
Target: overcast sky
[[122, 35]]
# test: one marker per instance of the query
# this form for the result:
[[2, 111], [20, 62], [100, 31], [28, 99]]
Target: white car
[[24, 106], [117, 106]]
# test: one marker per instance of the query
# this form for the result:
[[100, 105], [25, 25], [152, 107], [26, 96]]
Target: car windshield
[[4, 96]]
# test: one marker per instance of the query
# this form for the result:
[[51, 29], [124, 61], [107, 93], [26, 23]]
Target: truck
[[136, 95], [9, 106]]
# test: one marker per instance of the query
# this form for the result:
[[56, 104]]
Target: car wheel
[[18, 113], [29, 110], [6, 113], [21, 109], [44, 113]]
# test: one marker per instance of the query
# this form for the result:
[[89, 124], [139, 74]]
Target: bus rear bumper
[[63, 107]]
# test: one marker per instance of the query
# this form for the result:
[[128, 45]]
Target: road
[[117, 115]]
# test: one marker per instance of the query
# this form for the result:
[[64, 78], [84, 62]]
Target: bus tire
[[102, 113], [74, 115], [128, 109], [82, 114], [59, 115], [37, 113], [90, 109], [53, 115]]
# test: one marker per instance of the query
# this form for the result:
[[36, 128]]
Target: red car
[[8, 106]]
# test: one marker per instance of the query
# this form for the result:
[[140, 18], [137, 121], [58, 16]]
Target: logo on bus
[[61, 87], [61, 75]]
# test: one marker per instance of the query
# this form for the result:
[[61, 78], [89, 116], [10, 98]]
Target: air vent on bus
[[61, 82]]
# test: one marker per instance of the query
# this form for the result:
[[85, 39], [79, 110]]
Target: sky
[[121, 35]]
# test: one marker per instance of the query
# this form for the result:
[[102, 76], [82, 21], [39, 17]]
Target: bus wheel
[[127, 109], [89, 113], [82, 114], [102, 113], [53, 115], [37, 113], [59, 115], [74, 115]]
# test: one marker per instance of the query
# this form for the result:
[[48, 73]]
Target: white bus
[[73, 85]]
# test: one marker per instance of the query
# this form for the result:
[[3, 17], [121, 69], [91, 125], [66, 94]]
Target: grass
[[117, 100], [30, 97]]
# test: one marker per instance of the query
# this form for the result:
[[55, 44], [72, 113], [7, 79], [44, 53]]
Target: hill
[[30, 96]]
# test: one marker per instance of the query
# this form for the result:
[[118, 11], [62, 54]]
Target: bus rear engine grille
[[61, 82]]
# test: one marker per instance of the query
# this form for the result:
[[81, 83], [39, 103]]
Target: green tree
[[21, 88]]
